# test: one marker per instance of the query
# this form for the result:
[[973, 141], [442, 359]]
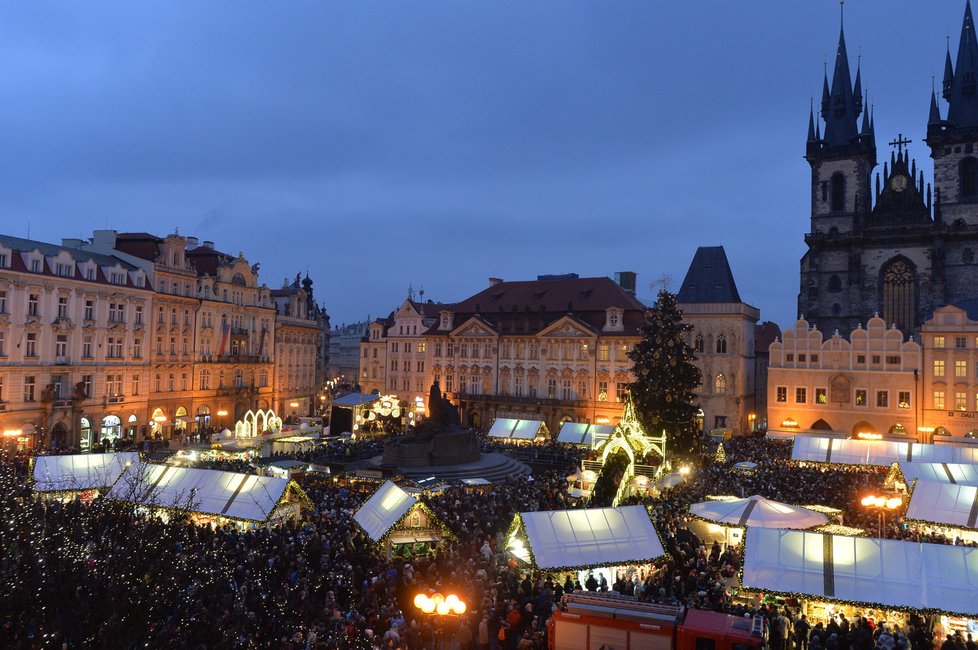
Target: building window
[[960, 401], [450, 384], [31, 345], [938, 341], [2, 340], [821, 396], [939, 400], [801, 395], [790, 357], [903, 399], [814, 358], [135, 384], [835, 284], [938, 367], [62, 307], [969, 177], [183, 382], [960, 368], [602, 391], [205, 379], [86, 383], [838, 192], [437, 348], [860, 358], [87, 347], [720, 384], [35, 266], [422, 346], [263, 378], [721, 344], [32, 304], [139, 315], [862, 397], [551, 389], [603, 352], [474, 385], [3, 302], [621, 392], [960, 342], [30, 384], [882, 399], [893, 359], [61, 347], [781, 394], [565, 390], [900, 295]]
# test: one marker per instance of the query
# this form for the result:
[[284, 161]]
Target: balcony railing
[[116, 399]]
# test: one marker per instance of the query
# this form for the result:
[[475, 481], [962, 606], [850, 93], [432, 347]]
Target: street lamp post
[[439, 607], [881, 504]]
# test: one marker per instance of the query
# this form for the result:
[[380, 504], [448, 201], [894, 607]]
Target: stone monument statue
[[439, 440]]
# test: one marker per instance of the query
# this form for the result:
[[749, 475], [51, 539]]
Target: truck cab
[[589, 621]]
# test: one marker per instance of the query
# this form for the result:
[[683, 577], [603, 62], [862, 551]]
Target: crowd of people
[[100, 573]]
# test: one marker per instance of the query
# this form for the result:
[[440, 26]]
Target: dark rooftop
[[709, 278]]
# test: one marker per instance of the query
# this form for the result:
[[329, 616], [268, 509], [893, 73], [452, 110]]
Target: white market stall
[[867, 571], [953, 473], [210, 495], [883, 453], [395, 519], [954, 507], [758, 511], [518, 430], [595, 540], [583, 434], [71, 474]]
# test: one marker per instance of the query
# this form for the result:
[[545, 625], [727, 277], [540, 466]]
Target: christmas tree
[[721, 456], [665, 377]]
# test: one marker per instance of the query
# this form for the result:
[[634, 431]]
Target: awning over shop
[[383, 510], [954, 506], [865, 570], [594, 537], [953, 473], [234, 495], [841, 451], [507, 428], [581, 433], [758, 511], [75, 472]]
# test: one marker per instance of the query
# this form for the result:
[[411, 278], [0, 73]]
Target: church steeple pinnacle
[[934, 117], [960, 81], [811, 124], [843, 105]]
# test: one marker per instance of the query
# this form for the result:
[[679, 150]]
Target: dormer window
[[4, 260], [64, 270], [117, 277], [613, 319], [35, 266]]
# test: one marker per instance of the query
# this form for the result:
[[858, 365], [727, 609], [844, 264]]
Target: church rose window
[[900, 295]]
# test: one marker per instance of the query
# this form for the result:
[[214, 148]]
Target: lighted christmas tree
[[721, 456], [665, 377]]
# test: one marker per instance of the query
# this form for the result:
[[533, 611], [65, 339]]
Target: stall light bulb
[[419, 601], [442, 608], [460, 608]]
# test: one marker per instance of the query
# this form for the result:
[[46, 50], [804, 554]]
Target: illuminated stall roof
[[841, 451], [76, 472], [507, 428], [758, 511], [383, 510], [355, 399], [592, 537], [953, 473], [234, 495], [584, 434], [955, 506], [875, 572]]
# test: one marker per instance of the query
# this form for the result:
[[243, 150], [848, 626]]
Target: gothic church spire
[[959, 82], [843, 107]]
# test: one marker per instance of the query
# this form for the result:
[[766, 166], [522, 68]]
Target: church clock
[[899, 182]]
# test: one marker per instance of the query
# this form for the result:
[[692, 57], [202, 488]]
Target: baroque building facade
[[895, 245], [134, 336]]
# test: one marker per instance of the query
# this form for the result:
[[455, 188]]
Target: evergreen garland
[[606, 487], [666, 378]]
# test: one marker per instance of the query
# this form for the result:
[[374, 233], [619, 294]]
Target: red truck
[[591, 621]]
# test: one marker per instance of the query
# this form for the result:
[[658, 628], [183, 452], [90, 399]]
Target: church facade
[[892, 245]]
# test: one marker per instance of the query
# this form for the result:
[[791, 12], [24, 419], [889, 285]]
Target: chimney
[[192, 243], [72, 243], [626, 280], [208, 244], [494, 281], [102, 239]]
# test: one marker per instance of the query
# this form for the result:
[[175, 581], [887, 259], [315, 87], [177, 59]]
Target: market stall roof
[[355, 399], [383, 510], [758, 511], [234, 495], [874, 572], [296, 439], [517, 429], [582, 433], [74, 472], [955, 506], [744, 466], [842, 451], [475, 481], [592, 537], [953, 473]]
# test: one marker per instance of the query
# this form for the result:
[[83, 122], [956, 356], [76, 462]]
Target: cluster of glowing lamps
[[439, 604], [891, 503]]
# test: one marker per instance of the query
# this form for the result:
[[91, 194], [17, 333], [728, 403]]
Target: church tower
[[842, 160]]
